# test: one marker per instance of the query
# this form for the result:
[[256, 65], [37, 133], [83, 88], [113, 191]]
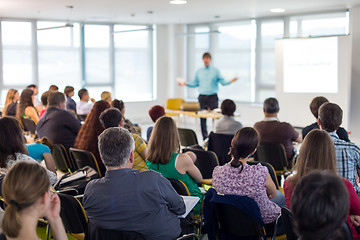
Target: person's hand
[[234, 79], [93, 100], [53, 212], [355, 219], [182, 84]]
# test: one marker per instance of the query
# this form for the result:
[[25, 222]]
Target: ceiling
[[137, 11]]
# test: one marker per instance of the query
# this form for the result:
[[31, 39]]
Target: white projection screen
[[310, 67]]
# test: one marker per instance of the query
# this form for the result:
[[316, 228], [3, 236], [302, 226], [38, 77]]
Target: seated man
[[347, 153], [271, 130], [111, 117], [314, 108], [129, 200], [155, 113], [227, 124], [84, 107], [59, 125]]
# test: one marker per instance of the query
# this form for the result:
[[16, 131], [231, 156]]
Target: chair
[[206, 161], [187, 137], [179, 187], [73, 216], [271, 172], [288, 223], [174, 103], [60, 159], [29, 125], [220, 144], [85, 158], [95, 233], [82, 117]]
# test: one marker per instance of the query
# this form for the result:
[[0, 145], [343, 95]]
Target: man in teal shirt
[[207, 79]]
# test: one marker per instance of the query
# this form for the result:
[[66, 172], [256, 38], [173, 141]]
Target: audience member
[[273, 131], [227, 124], [106, 96], [254, 181], [12, 146], [70, 103], [163, 156], [111, 117], [84, 107], [25, 108], [119, 104], [44, 101], [347, 153], [12, 98], [26, 190], [60, 126], [126, 199], [39, 152], [87, 139], [53, 88], [155, 113], [36, 102], [314, 108], [320, 204], [317, 153]]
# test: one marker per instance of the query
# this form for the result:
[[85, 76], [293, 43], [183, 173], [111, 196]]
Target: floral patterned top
[[249, 182]]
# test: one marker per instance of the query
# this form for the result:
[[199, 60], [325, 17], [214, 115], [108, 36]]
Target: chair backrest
[[29, 125], [174, 103], [85, 158], [95, 233], [206, 161], [72, 214], [273, 153], [288, 223], [60, 159], [179, 187], [220, 144], [270, 169], [187, 137]]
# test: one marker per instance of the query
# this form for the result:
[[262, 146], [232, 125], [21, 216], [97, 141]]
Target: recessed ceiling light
[[277, 10], [178, 2]]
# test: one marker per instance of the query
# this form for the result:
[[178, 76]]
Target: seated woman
[[26, 190], [227, 124], [239, 178], [127, 123], [317, 152], [155, 113], [25, 108], [40, 150], [87, 138], [12, 98], [12, 146], [70, 103], [163, 156]]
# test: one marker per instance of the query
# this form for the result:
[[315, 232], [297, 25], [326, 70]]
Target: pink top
[[250, 182], [353, 199]]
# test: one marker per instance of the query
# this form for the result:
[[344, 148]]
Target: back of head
[[23, 185], [11, 139], [55, 98], [31, 86], [228, 107], [271, 105], [25, 101], [315, 105], [44, 98], [53, 88], [46, 141], [330, 115], [119, 104], [105, 95], [156, 112], [68, 89], [82, 92], [164, 141], [115, 146], [320, 204], [111, 117], [243, 144], [317, 152]]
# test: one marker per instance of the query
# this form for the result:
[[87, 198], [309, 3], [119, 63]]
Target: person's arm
[[299, 138], [175, 203], [270, 187], [53, 216], [295, 135], [186, 164], [194, 83], [73, 123], [222, 81], [49, 161], [192, 156], [32, 113], [354, 208]]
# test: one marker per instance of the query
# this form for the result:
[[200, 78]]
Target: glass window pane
[[66, 36], [263, 94], [234, 37], [95, 92], [268, 67], [16, 33], [97, 36], [270, 31]]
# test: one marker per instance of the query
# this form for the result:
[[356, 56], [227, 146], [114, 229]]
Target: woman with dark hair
[[119, 104], [26, 107], [12, 98], [163, 156], [227, 124], [70, 103], [87, 138], [12, 146], [317, 152], [26, 190], [239, 178]]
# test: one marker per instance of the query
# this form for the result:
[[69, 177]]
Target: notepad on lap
[[190, 203], [74, 177]]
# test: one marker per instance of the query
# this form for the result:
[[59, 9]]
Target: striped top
[[140, 145]]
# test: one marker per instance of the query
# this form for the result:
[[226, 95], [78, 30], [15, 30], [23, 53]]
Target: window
[[133, 63], [59, 56]]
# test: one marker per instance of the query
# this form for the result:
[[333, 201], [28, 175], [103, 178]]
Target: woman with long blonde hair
[[12, 98]]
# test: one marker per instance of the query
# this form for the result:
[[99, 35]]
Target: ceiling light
[[178, 2], [277, 10]]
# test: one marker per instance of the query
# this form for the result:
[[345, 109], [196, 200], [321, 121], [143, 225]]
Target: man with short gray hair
[[129, 200]]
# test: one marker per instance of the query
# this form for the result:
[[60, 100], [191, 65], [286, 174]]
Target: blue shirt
[[70, 104], [347, 158], [208, 79], [36, 151]]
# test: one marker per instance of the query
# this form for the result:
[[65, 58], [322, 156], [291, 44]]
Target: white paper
[[190, 203], [180, 80]]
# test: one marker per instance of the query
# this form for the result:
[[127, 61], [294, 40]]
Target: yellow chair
[[174, 103]]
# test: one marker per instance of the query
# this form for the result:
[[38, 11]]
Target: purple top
[[250, 182]]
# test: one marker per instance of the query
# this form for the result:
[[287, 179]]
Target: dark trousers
[[207, 102]]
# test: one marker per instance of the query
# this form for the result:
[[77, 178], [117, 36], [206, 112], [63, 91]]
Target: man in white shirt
[[84, 107]]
